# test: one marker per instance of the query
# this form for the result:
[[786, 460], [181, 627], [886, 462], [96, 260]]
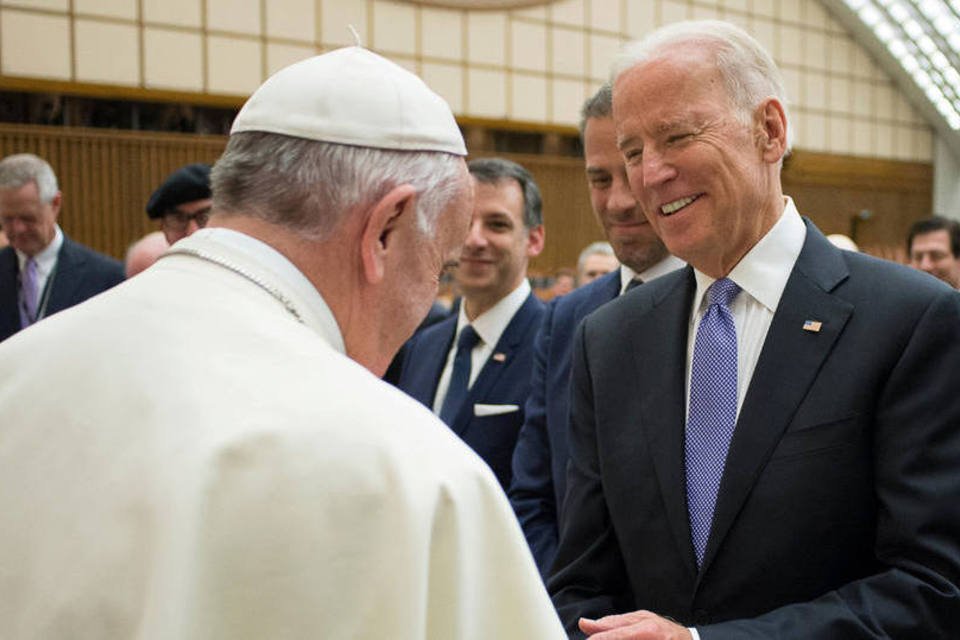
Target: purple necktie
[[29, 290], [713, 410]]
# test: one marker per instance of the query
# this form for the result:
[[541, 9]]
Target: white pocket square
[[481, 410]]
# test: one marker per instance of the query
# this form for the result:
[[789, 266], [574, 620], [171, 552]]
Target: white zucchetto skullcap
[[352, 96]]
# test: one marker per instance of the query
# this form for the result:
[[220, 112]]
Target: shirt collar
[[662, 268], [316, 313], [491, 324], [47, 258], [763, 272]]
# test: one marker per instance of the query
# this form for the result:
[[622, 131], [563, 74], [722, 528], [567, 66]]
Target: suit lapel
[[67, 278], [9, 314], [788, 365], [499, 361], [662, 402], [425, 361], [602, 291], [606, 292]]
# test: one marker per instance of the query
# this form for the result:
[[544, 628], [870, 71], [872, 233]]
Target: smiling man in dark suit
[[540, 459], [42, 271], [473, 369], [765, 444]]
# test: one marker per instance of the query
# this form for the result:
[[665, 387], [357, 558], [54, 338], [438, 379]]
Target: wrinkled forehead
[[677, 68], [23, 200]]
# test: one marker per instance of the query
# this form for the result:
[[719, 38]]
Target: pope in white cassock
[[206, 450]]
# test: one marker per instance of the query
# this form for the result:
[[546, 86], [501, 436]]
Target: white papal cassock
[[182, 458]]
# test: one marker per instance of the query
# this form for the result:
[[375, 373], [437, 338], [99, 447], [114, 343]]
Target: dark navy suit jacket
[[436, 314], [838, 514], [540, 458], [81, 273], [502, 381]]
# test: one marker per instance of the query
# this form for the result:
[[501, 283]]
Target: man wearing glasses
[[182, 203]]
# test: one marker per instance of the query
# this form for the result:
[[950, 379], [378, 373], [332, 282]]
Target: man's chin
[[632, 234]]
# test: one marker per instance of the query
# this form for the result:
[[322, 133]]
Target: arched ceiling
[[918, 43]]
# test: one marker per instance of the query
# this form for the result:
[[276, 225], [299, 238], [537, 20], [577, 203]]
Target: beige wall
[[532, 66]]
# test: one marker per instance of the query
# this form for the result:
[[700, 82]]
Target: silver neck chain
[[240, 271]]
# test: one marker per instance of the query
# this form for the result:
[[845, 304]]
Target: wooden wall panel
[[567, 215], [107, 176], [834, 190]]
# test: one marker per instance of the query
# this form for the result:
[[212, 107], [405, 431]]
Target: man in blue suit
[[473, 369], [42, 271], [764, 444], [540, 458]]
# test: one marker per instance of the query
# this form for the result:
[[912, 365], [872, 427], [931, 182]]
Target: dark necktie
[[713, 410], [29, 286], [633, 284], [460, 377]]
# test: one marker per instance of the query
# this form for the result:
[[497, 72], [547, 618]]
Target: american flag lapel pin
[[812, 325], [499, 357]]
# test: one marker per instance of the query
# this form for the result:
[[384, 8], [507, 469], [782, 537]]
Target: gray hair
[[599, 248], [747, 70], [494, 170], [309, 186], [599, 105], [22, 168]]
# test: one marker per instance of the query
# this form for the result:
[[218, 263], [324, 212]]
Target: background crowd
[[721, 424]]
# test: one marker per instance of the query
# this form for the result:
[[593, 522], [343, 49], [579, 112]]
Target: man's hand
[[637, 625]]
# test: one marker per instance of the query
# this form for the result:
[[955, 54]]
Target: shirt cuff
[[693, 632]]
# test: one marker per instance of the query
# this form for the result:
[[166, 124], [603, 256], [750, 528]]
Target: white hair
[[308, 186], [598, 248], [22, 168], [748, 71]]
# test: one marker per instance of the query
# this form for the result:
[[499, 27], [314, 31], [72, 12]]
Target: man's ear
[[55, 203], [394, 210], [772, 130], [535, 239]]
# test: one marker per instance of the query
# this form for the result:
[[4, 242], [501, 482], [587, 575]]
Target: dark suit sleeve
[[403, 370], [81, 273], [531, 489], [589, 579], [916, 460]]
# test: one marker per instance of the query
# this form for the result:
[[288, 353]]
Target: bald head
[[144, 252]]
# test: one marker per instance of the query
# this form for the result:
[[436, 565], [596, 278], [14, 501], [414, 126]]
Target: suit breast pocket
[[817, 438], [483, 410]]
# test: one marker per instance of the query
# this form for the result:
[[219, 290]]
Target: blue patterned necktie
[[29, 285], [713, 410], [460, 377]]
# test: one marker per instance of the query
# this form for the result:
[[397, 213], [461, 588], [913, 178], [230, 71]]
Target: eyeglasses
[[178, 221]]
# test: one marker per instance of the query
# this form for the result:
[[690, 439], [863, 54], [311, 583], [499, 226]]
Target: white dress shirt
[[762, 275], [489, 325]]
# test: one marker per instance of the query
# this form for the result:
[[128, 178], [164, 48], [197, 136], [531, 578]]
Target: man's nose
[[13, 226], [475, 237], [656, 168], [621, 197]]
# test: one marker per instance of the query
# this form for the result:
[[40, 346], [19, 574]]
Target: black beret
[[186, 184]]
